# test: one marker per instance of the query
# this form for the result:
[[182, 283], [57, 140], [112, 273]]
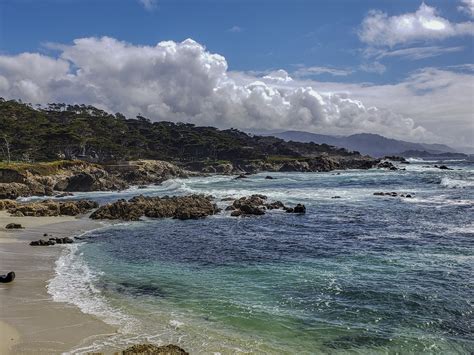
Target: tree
[[7, 147]]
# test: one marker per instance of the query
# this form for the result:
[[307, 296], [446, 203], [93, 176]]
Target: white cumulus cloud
[[185, 82], [380, 29]]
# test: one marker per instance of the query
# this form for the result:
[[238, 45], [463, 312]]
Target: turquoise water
[[356, 274]]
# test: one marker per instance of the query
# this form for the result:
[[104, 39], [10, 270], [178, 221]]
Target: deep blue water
[[356, 274]]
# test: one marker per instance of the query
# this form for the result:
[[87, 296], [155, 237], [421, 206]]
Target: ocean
[[356, 274]]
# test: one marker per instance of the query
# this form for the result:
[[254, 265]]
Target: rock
[[7, 204], [53, 208], [142, 186], [253, 205], [179, 207], [241, 176], [52, 241], [149, 349], [230, 208], [268, 177], [14, 226], [13, 190], [45, 234], [236, 213], [299, 208], [336, 197], [386, 165], [443, 167]]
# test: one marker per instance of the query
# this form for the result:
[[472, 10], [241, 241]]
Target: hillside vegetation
[[61, 131]]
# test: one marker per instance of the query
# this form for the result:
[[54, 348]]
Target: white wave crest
[[74, 283], [451, 183]]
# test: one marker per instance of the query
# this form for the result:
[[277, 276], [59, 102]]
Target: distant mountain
[[365, 143]]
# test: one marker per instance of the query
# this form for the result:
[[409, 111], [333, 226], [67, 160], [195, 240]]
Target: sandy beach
[[30, 321]]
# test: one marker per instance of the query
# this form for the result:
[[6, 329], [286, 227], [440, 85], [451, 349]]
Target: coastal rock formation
[[442, 167], [257, 205], [46, 179], [179, 207], [52, 241], [52, 208], [149, 349]]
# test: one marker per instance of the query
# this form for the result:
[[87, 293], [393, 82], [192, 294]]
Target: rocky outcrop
[[179, 207], [149, 349], [44, 180], [7, 204], [13, 190], [144, 172], [52, 208], [52, 241], [258, 204]]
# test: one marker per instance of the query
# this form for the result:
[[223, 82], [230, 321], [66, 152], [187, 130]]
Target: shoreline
[[31, 322]]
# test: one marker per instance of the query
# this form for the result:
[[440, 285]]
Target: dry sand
[[30, 321]]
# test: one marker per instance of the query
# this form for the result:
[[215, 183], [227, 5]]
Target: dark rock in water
[[8, 277], [149, 349], [442, 167], [408, 196], [299, 208], [252, 210], [230, 208], [142, 186], [268, 177], [227, 199], [386, 165], [179, 207], [236, 213], [14, 226], [45, 234], [241, 176], [379, 193], [336, 197]]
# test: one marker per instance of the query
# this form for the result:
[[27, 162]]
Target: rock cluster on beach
[[52, 241], [258, 204], [50, 208], [179, 207], [149, 349]]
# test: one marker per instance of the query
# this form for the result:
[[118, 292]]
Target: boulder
[[268, 177], [299, 208]]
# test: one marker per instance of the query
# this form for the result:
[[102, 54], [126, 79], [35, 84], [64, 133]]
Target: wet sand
[[30, 321]]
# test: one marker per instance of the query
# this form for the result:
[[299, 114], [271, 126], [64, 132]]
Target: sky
[[403, 69]]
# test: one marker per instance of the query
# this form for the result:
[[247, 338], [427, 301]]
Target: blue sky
[[252, 35], [321, 41]]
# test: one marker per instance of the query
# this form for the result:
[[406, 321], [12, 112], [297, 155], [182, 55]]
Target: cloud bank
[[185, 82]]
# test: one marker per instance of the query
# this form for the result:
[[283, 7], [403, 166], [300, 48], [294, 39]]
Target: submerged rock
[[149, 349], [179, 207]]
